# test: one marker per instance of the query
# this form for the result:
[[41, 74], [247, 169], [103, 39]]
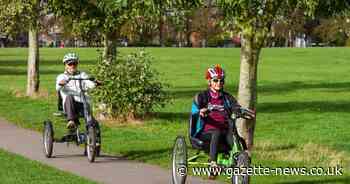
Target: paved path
[[106, 169]]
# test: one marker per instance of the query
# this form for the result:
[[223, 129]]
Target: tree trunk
[[290, 39], [161, 30], [188, 32], [110, 46], [33, 62], [247, 93]]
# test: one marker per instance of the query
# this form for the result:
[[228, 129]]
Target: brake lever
[[248, 114]]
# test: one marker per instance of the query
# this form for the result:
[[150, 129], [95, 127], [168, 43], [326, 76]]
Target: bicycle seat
[[195, 126]]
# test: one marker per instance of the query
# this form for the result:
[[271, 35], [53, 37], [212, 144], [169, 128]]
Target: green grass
[[303, 104], [15, 169]]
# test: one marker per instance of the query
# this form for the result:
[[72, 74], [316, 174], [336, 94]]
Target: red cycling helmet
[[215, 72]]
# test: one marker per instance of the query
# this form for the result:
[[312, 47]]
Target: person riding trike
[[212, 131], [72, 86]]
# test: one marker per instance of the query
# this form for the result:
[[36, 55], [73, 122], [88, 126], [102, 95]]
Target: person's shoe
[[213, 166], [71, 124]]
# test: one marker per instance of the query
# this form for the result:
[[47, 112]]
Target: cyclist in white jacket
[[70, 90]]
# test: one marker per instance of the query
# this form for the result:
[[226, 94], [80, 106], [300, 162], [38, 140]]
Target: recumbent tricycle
[[236, 157], [91, 137]]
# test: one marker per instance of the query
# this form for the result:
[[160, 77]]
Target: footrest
[[67, 138]]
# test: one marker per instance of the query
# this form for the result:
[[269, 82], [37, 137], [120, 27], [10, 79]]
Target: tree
[[87, 16], [254, 19], [108, 16], [19, 14], [287, 27], [333, 31]]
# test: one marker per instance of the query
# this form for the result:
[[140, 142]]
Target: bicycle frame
[[223, 159], [87, 113], [87, 110]]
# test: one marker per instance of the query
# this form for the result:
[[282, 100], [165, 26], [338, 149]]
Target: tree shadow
[[110, 158], [316, 106], [68, 156], [276, 147], [191, 91], [19, 63], [275, 88], [184, 93], [298, 85], [172, 116], [23, 71], [343, 180], [146, 154]]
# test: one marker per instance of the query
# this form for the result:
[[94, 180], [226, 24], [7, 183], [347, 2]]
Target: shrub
[[347, 43], [131, 87]]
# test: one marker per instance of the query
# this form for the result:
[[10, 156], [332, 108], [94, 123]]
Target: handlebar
[[93, 79], [80, 79], [241, 113]]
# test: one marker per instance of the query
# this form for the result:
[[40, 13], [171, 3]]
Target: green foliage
[[109, 15], [347, 43], [333, 31], [255, 17], [215, 41], [19, 14], [130, 86]]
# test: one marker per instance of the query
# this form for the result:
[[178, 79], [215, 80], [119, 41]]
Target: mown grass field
[[303, 104], [15, 169]]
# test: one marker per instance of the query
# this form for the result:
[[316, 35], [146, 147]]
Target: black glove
[[247, 113]]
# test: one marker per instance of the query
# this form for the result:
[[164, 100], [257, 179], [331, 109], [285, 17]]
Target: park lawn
[[15, 169], [303, 104]]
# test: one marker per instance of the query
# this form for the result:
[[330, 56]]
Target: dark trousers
[[73, 109], [218, 137]]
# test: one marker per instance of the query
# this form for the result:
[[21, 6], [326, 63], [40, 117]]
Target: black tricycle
[[91, 137]]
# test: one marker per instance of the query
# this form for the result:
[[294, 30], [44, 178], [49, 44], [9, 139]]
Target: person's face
[[216, 84], [71, 67]]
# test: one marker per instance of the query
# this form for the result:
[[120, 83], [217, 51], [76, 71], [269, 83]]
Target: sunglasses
[[72, 64], [218, 80]]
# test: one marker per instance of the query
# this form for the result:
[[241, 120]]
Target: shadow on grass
[[315, 106], [184, 93], [19, 63], [343, 180], [191, 91], [298, 85], [275, 88], [172, 116], [23, 71], [276, 147]]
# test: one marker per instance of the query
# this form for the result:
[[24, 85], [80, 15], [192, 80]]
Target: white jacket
[[72, 87]]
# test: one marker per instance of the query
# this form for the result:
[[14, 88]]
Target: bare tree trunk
[[33, 62], [110, 46], [290, 39], [161, 30], [188, 31], [247, 93]]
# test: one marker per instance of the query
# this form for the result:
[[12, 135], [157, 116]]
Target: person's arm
[[87, 83], [60, 81], [201, 104], [237, 108]]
